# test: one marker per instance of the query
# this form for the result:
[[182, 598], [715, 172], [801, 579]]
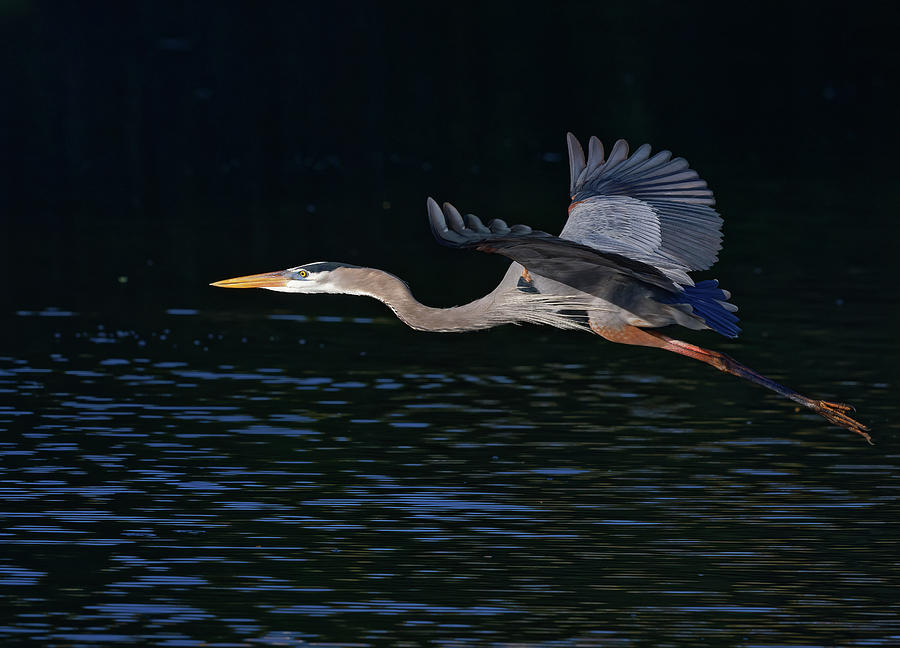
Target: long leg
[[836, 413]]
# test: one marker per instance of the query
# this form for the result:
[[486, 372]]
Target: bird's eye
[[303, 274]]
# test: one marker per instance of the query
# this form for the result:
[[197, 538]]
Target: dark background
[[150, 148], [182, 462]]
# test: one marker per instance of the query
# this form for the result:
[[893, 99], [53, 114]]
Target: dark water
[[224, 479], [231, 474]]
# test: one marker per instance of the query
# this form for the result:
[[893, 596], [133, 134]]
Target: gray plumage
[[652, 209], [506, 304], [637, 225]]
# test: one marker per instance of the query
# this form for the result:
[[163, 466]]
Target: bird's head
[[319, 277]]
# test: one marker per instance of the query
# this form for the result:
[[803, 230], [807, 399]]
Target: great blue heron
[[637, 225]]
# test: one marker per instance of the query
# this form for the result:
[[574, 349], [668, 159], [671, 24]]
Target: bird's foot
[[838, 413]]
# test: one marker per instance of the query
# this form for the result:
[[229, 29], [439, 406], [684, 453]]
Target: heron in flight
[[637, 226]]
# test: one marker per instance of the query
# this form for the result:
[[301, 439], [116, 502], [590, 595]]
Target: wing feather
[[580, 266], [670, 206], [635, 220], [576, 158]]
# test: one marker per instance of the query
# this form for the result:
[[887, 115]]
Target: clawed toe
[[837, 413], [841, 407]]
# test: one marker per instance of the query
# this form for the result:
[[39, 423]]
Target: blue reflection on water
[[157, 495]]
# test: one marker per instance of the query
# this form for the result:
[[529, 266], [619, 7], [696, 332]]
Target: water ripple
[[232, 491]]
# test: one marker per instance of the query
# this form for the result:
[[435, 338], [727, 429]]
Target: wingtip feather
[[454, 218], [435, 218], [618, 154], [576, 159], [596, 154]]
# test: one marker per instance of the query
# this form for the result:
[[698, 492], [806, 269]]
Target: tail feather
[[710, 303]]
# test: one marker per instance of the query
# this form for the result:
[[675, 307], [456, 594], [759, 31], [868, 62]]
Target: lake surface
[[184, 466], [266, 478]]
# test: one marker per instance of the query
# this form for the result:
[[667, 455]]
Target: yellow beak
[[264, 280]]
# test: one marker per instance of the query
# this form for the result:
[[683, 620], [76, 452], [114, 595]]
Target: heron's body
[[637, 226]]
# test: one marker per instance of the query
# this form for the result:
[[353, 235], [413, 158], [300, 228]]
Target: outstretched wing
[[577, 265], [654, 209]]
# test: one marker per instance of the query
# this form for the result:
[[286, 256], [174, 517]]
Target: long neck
[[385, 287]]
